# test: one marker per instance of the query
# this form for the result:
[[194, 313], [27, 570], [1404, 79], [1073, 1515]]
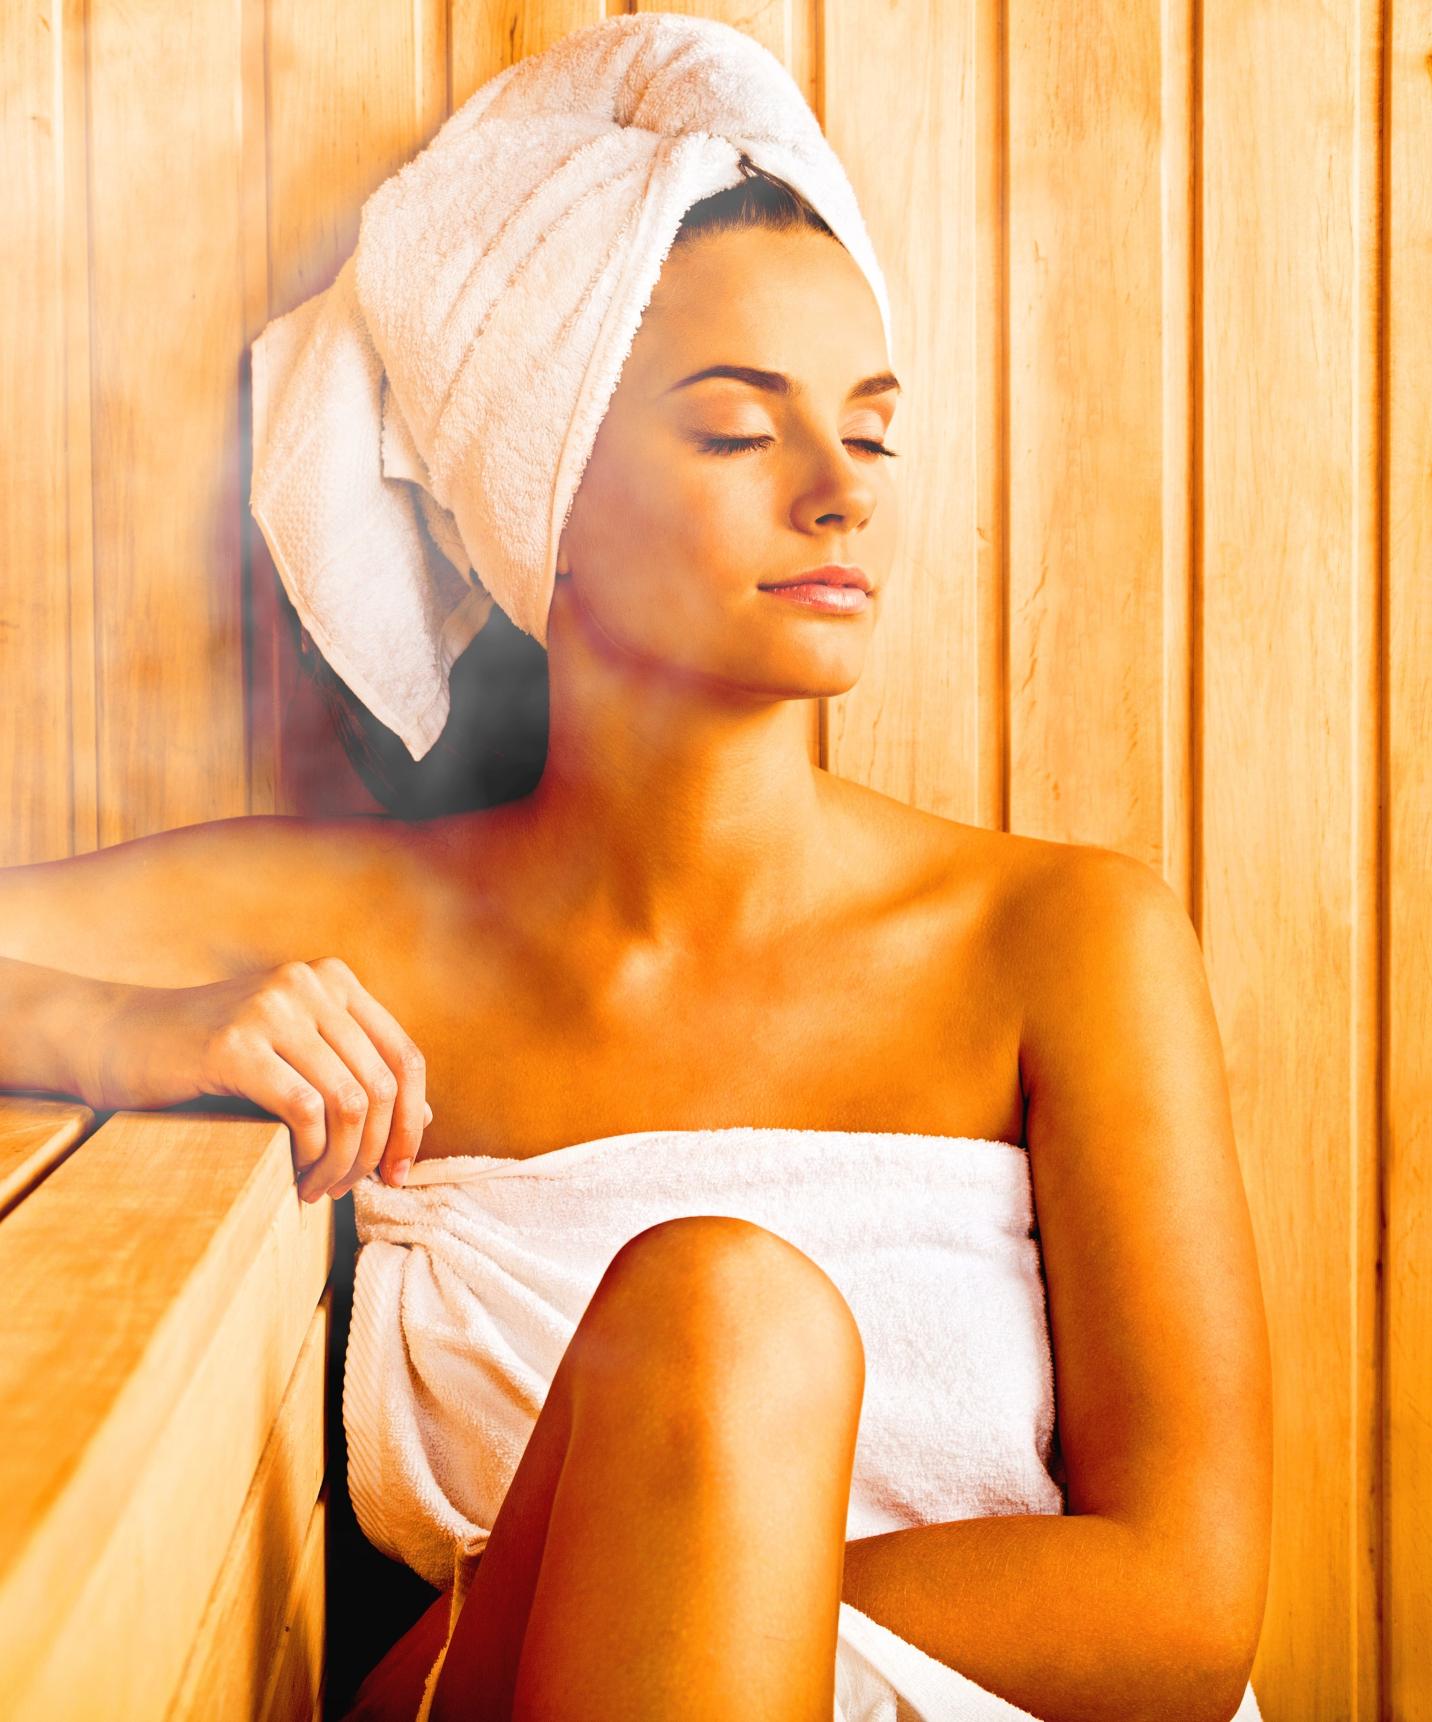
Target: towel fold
[[471, 1279], [421, 426]]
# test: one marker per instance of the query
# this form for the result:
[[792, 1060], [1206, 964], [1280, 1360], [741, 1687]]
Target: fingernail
[[400, 1171], [427, 1114]]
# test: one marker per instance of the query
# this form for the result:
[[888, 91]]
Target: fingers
[[393, 1071], [389, 1072], [409, 1113], [308, 1043], [373, 1105], [345, 1108], [289, 1095]]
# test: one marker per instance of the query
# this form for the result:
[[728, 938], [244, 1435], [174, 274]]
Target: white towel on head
[[421, 426], [471, 1280]]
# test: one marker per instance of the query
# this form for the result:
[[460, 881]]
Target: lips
[[832, 574]]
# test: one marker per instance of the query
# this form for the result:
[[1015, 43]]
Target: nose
[[840, 495]]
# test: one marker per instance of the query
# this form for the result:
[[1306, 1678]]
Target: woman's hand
[[305, 1041]]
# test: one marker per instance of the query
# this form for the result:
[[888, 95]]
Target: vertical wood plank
[[904, 123], [1180, 478], [1366, 849], [257, 582], [167, 322], [1092, 630], [486, 37], [1407, 1066], [988, 89], [79, 431], [34, 613], [1287, 792]]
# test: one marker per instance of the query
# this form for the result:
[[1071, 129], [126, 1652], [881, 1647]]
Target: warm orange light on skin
[[749, 334], [777, 383], [678, 809]]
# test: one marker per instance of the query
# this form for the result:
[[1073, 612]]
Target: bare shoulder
[[1004, 874], [1086, 920], [1068, 928]]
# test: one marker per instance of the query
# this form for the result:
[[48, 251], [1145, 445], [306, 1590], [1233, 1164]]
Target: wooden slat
[[910, 725], [79, 426], [154, 1293], [35, 1136], [1089, 403], [34, 609], [236, 1646], [985, 731], [1289, 782], [167, 323], [297, 1684], [483, 41], [1407, 1267]]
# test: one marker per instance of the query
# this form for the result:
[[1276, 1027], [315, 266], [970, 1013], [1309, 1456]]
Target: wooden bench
[[165, 1306]]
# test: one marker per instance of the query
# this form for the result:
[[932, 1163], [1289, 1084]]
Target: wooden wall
[[1161, 272]]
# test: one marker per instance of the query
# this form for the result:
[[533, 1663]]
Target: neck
[[676, 811]]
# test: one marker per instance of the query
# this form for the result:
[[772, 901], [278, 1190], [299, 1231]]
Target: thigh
[[696, 1442]]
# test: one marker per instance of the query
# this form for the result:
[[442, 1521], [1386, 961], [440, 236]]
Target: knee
[[711, 1295]]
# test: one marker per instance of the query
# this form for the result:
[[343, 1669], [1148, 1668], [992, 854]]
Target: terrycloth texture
[[471, 1280], [421, 426]]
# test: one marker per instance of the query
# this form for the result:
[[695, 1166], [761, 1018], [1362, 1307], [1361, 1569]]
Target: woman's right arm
[[165, 968], [47, 1019]]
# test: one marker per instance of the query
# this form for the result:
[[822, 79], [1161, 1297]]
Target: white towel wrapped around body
[[471, 1280]]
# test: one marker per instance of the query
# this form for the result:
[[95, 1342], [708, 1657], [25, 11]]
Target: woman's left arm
[[1147, 1600]]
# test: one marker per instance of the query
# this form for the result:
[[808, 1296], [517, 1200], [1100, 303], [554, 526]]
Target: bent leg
[[676, 1545]]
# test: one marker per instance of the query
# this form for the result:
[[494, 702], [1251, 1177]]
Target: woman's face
[[670, 539]]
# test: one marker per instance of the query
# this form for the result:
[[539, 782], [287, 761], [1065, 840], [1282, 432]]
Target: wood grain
[[1406, 915], [166, 321], [298, 1672], [158, 1285], [905, 123], [236, 1647], [34, 572], [35, 1136], [1289, 787]]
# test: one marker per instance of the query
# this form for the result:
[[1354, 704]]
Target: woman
[[686, 925]]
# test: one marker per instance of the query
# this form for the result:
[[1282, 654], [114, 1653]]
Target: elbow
[[1195, 1679], [1206, 1621]]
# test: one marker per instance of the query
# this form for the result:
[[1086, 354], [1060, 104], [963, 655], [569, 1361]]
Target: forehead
[[796, 302]]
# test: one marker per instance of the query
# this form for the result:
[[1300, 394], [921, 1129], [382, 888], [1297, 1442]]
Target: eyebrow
[[777, 383]]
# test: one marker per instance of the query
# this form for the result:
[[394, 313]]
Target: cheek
[[687, 519]]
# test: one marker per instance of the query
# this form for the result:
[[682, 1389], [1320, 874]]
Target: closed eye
[[733, 444]]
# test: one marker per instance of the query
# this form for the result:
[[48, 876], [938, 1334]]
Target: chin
[[812, 680]]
